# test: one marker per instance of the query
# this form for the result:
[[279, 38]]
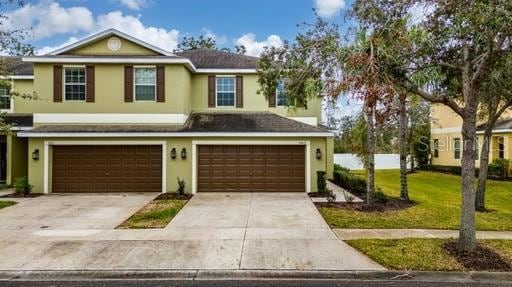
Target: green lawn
[[419, 254], [6, 203], [156, 214], [438, 205]]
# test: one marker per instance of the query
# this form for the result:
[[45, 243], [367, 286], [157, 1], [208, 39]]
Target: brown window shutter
[[272, 100], [239, 91], [89, 85], [57, 83], [160, 84], [211, 91], [128, 83]]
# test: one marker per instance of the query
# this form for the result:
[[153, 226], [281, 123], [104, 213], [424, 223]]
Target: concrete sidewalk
[[349, 234]]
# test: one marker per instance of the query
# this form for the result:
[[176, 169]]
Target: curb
[[194, 274]]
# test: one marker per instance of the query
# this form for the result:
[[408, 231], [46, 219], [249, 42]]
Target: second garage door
[[102, 168], [251, 168]]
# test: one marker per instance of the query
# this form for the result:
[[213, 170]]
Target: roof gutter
[[28, 134], [496, 131]]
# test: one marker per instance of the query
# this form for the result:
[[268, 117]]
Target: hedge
[[355, 184]]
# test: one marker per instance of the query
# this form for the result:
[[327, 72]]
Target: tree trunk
[[467, 234], [402, 128], [484, 168], [370, 156]]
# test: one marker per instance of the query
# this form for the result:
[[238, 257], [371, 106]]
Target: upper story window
[[456, 147], [74, 84], [145, 84], [280, 94], [436, 148], [225, 91], [5, 98]]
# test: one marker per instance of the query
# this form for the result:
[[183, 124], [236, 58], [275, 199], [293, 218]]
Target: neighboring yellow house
[[114, 113], [446, 143]]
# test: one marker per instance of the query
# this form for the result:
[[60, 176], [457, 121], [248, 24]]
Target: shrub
[[380, 196], [321, 182], [456, 170], [338, 167], [331, 196], [350, 182], [498, 169], [181, 186], [348, 197], [21, 185]]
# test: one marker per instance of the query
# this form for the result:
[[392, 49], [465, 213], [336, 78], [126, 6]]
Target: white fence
[[382, 161]]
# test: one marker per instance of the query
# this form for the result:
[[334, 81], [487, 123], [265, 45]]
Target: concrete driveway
[[73, 211], [275, 231]]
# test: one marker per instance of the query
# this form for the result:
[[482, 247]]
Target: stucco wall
[[17, 158], [100, 48], [179, 167]]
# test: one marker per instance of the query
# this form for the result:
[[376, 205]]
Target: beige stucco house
[[113, 113], [446, 142]]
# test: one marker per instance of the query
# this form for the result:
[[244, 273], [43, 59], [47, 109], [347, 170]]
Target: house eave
[[29, 134]]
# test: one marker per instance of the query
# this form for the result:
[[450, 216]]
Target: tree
[[496, 98], [402, 138], [458, 42], [191, 43], [240, 49]]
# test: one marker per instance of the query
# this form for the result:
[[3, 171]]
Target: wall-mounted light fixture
[[173, 153], [318, 153], [183, 153], [35, 154]]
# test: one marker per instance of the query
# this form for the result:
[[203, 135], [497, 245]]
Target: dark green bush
[[338, 167], [21, 185], [181, 186], [380, 196], [456, 170], [354, 184], [321, 181], [498, 169]]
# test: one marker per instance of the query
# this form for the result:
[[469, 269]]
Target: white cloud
[[328, 8], [160, 37], [255, 48], [220, 40], [48, 18], [48, 49], [134, 4]]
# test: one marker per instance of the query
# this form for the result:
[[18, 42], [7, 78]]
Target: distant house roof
[[500, 125], [214, 59], [15, 66]]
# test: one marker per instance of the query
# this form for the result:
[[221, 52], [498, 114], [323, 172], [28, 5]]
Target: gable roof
[[104, 34], [214, 59], [505, 124]]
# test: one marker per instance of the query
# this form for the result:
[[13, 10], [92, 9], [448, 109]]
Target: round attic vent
[[114, 44]]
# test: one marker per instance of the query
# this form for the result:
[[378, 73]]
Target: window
[[225, 91], [5, 98], [74, 84], [145, 84], [436, 148], [501, 147], [456, 146], [280, 94]]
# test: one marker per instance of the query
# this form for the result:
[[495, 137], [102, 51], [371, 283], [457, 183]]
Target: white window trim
[[277, 101], [11, 104], [64, 83], [134, 84], [47, 144], [234, 94], [195, 143], [457, 150]]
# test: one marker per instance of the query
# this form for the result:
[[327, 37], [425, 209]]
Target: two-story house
[[446, 142], [115, 114]]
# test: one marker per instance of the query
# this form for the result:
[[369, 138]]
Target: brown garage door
[[101, 168], [251, 168]]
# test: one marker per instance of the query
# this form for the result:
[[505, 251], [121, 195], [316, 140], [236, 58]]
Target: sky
[[255, 24], [252, 23]]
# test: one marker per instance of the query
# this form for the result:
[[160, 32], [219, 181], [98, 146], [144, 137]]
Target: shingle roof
[[261, 122], [214, 59], [500, 125], [15, 66], [19, 120], [200, 122]]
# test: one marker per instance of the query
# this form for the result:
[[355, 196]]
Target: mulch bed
[[21, 195], [394, 204], [173, 196], [480, 259], [316, 194]]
